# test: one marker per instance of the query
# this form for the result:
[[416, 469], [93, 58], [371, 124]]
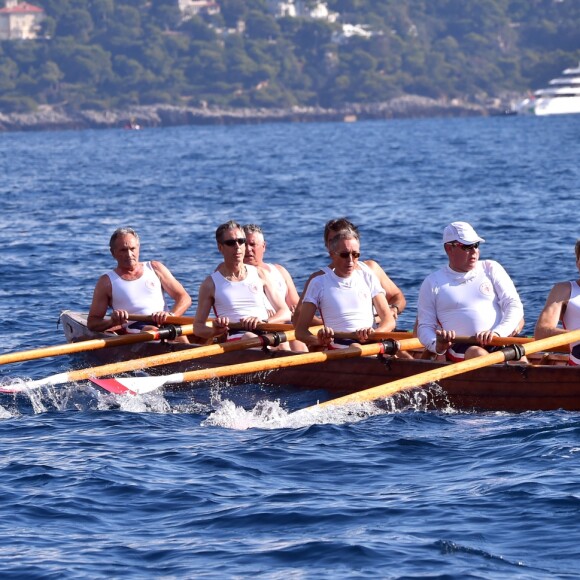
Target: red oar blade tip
[[114, 386], [136, 385]]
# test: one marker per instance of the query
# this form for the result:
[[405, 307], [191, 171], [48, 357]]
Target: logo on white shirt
[[486, 289]]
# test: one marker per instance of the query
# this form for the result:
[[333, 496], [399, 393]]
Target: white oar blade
[[14, 388], [24, 386], [136, 385]]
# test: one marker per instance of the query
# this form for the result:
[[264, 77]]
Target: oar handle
[[408, 342], [266, 326], [495, 341], [394, 335]]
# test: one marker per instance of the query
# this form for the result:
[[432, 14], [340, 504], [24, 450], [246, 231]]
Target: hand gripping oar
[[514, 352], [495, 341], [169, 319], [273, 339], [164, 333], [275, 327], [142, 385]]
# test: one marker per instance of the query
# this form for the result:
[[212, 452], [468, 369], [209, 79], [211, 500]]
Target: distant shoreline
[[47, 118]]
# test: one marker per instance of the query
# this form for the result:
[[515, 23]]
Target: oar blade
[[14, 388], [136, 385], [114, 386]]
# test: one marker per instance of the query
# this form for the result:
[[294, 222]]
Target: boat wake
[[75, 397], [272, 415], [250, 409]]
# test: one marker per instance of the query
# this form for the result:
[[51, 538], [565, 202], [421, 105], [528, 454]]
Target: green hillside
[[102, 54]]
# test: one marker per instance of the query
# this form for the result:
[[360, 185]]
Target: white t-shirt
[[345, 304]]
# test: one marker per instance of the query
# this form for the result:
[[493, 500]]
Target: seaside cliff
[[61, 118]]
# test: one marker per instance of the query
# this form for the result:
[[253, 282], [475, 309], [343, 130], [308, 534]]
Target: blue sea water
[[171, 486]]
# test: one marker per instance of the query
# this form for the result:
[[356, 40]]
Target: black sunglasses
[[465, 247], [346, 255], [238, 241]]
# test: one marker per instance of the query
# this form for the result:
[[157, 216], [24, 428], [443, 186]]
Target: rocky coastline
[[47, 118]]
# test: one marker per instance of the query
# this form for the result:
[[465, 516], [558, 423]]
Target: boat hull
[[562, 97], [507, 387], [557, 106]]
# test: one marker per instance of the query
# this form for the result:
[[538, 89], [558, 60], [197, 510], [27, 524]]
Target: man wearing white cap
[[468, 297]]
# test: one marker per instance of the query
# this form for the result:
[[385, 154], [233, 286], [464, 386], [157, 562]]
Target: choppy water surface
[[229, 483]]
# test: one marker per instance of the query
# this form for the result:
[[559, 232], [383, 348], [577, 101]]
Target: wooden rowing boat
[[545, 384]]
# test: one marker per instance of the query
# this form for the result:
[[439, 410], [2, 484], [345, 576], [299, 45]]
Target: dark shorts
[[574, 359], [456, 352], [136, 327], [341, 343]]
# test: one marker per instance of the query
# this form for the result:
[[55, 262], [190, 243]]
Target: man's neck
[[130, 273], [462, 271], [233, 268]]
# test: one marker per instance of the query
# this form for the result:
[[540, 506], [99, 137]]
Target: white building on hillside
[[191, 8], [301, 9], [20, 21], [349, 30]]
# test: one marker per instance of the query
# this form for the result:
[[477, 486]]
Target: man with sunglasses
[[394, 295], [344, 295], [468, 297], [236, 291]]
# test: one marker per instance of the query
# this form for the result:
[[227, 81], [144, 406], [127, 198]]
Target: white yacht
[[561, 97]]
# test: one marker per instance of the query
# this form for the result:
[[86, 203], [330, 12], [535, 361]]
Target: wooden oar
[[95, 344], [509, 353], [142, 385], [161, 359]]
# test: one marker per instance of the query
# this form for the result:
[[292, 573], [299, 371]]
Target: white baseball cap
[[460, 232]]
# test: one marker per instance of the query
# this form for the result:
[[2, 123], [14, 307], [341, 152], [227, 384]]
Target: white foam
[[271, 415], [5, 413], [151, 403]]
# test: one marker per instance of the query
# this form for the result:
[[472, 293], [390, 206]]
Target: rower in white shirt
[[134, 287], [235, 291], [468, 297], [344, 295]]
